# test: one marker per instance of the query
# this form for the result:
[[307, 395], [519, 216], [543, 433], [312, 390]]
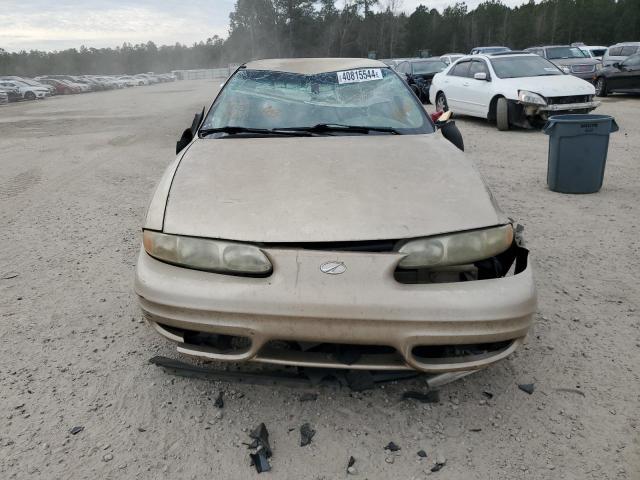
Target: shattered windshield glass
[[365, 97]]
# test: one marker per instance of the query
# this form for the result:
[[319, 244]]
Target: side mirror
[[480, 76], [189, 134], [451, 132], [616, 64]]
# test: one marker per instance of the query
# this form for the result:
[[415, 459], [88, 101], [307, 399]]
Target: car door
[[453, 86], [629, 76], [478, 93]]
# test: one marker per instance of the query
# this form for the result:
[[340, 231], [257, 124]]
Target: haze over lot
[[46, 25]]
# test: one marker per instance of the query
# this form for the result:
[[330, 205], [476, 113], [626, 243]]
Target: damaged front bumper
[[435, 327], [534, 109]]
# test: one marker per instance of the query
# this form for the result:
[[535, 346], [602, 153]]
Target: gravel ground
[[77, 173]]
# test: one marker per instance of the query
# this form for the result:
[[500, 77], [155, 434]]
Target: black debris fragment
[[76, 430], [475, 429], [350, 466], [306, 434], [260, 459], [437, 467], [219, 401], [431, 396], [527, 387], [308, 397], [142, 429], [422, 454], [489, 395], [260, 436], [392, 447]]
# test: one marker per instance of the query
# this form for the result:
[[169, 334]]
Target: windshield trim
[[427, 127]]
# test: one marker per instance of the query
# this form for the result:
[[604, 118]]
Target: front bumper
[[533, 110], [363, 306]]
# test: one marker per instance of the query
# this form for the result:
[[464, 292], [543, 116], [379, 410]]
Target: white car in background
[[450, 58], [28, 92], [594, 51], [521, 89]]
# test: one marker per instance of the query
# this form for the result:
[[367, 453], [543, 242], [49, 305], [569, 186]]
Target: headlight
[[204, 254], [456, 249], [529, 97]]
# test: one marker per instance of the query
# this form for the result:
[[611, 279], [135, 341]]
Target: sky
[[59, 24]]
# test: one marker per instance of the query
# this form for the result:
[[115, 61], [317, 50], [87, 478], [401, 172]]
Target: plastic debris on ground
[[527, 387], [306, 434], [260, 442], [392, 447]]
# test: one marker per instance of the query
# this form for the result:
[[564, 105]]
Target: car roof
[[428, 59], [559, 46], [626, 44], [312, 66], [489, 56]]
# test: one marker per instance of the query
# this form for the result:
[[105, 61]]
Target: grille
[[568, 99], [583, 68], [358, 246]]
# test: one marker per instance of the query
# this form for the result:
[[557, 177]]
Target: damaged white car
[[521, 89]]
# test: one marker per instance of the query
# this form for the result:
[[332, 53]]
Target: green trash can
[[578, 146]]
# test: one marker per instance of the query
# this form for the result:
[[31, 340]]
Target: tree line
[[351, 28]]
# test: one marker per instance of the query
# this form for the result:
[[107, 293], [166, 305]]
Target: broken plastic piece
[[260, 461], [76, 430], [392, 447], [260, 436], [422, 453], [306, 434], [527, 387]]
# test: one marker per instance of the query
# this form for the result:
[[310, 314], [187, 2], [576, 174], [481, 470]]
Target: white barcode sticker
[[360, 75]]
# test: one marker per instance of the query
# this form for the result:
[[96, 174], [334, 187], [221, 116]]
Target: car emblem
[[333, 268]]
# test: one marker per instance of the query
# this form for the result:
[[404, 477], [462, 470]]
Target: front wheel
[[441, 103], [29, 96], [502, 114], [601, 87]]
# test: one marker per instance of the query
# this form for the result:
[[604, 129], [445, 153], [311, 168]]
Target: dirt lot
[[77, 173]]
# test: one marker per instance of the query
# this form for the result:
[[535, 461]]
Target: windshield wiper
[[233, 130], [338, 127]]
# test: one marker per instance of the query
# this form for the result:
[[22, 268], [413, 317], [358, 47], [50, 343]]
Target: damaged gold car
[[315, 217]]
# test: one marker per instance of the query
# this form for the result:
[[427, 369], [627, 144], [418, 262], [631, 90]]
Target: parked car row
[[14, 88], [511, 89]]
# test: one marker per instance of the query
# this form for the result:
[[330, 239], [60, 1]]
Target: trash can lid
[[580, 118]]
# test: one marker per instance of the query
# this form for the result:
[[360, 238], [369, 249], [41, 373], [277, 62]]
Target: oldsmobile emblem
[[333, 268]]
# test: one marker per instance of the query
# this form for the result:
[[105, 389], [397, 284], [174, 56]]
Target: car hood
[[327, 189], [552, 86]]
